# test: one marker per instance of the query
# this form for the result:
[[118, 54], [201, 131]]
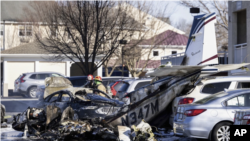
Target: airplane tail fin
[[201, 47]]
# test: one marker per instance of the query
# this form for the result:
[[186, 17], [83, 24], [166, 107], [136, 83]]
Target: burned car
[[72, 111], [2, 113], [84, 102]]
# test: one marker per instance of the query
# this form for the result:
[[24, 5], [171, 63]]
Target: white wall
[[162, 52], [15, 69], [59, 67]]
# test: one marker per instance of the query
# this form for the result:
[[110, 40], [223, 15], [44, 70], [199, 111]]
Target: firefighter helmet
[[98, 78]]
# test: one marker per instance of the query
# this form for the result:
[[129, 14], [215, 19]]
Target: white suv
[[27, 83], [128, 86], [208, 86]]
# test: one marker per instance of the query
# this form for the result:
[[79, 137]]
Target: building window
[[53, 31], [25, 30], [241, 27], [174, 52], [1, 30], [28, 30], [155, 53]]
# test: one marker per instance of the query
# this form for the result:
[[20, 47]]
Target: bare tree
[[133, 54], [146, 27], [221, 9], [81, 30], [139, 53], [184, 26]]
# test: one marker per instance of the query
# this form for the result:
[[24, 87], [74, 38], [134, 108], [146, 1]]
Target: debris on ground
[[143, 131]]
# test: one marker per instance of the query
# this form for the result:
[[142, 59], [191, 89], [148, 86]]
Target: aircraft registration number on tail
[[144, 112]]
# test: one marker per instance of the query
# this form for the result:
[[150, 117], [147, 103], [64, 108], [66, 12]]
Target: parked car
[[211, 116], [208, 86], [2, 113], [242, 117], [112, 83], [128, 86], [78, 81], [27, 83], [113, 79]]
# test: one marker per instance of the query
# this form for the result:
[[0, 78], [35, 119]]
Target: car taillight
[[194, 112], [113, 88], [16, 82], [186, 101], [247, 117], [21, 79]]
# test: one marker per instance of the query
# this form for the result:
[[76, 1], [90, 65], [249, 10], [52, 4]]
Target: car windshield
[[111, 84], [124, 86], [210, 98]]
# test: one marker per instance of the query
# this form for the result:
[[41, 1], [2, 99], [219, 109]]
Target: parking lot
[[17, 103]]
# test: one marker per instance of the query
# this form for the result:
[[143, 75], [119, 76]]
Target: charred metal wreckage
[[68, 112], [2, 113]]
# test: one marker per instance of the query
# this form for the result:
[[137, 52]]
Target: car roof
[[41, 72], [117, 78], [111, 77], [226, 78], [76, 77], [136, 80]]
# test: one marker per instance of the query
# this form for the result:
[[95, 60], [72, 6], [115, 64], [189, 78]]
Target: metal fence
[[240, 53], [175, 59]]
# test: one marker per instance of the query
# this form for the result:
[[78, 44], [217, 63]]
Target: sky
[[175, 10]]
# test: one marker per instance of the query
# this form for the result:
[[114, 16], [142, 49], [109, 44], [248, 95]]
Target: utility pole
[[123, 42]]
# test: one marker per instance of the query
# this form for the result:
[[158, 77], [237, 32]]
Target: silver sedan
[[211, 117]]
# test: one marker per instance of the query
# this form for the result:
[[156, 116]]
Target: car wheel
[[32, 92], [75, 117], [221, 132]]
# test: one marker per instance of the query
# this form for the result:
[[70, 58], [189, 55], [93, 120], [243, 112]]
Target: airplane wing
[[173, 70], [209, 70], [182, 70]]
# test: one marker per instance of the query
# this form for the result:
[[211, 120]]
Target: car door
[[239, 102]]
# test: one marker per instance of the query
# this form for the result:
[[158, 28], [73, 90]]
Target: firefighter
[[90, 83], [99, 85]]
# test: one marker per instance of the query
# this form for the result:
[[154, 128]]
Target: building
[[20, 52], [238, 34]]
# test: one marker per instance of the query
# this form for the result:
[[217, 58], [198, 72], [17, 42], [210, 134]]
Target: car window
[[111, 84], [42, 76], [118, 86], [215, 87], [242, 100], [141, 84], [108, 82], [123, 87], [55, 74], [65, 98], [243, 85], [233, 102], [54, 98], [210, 98], [47, 98], [33, 76]]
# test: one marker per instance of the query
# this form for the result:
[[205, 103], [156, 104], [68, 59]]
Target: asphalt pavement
[[17, 104]]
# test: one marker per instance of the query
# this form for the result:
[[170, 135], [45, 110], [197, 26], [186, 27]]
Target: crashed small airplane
[[151, 102]]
